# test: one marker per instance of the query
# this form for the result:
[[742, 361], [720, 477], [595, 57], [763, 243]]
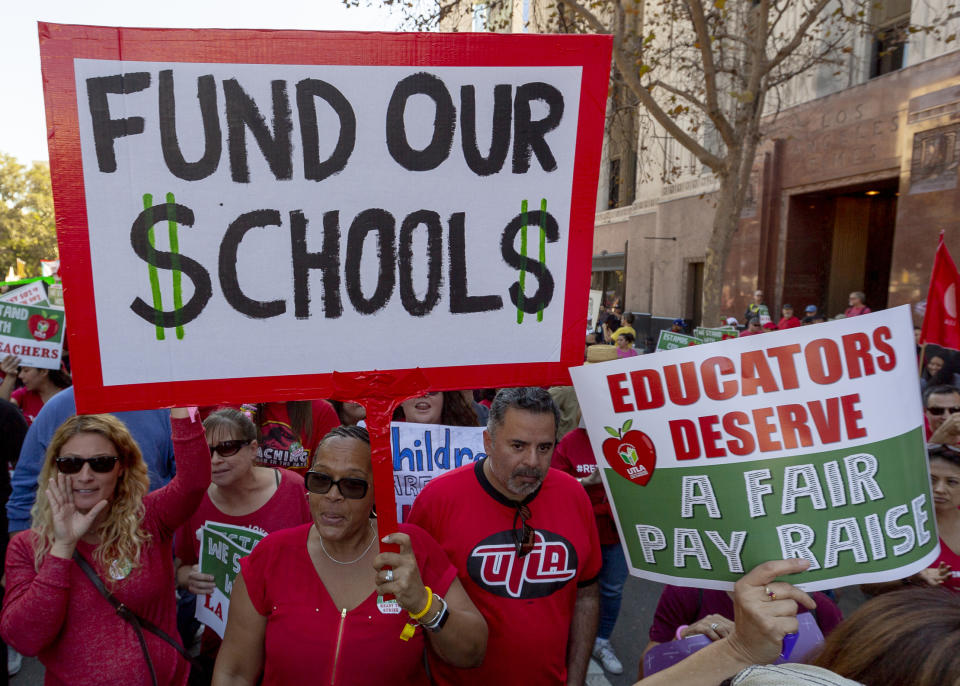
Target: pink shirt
[[57, 614]]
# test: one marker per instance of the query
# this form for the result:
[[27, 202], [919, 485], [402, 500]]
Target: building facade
[[856, 177]]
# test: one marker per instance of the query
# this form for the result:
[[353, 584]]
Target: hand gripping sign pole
[[289, 215]]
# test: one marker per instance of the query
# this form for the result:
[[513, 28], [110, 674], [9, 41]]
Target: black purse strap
[[137, 622]]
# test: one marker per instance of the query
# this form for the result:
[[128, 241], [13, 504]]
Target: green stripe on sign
[[175, 261], [523, 259], [152, 268], [870, 502]]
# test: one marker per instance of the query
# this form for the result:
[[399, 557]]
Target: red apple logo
[[631, 454], [42, 328]]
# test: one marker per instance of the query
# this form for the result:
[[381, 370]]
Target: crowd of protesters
[[105, 510]]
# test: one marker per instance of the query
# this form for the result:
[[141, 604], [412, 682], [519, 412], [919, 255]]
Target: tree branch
[[712, 108]]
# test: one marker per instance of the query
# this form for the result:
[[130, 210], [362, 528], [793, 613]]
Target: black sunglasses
[[100, 464], [524, 536], [937, 411], [320, 483], [227, 448]]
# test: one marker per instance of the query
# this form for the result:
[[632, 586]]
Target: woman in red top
[[39, 385], [290, 629], [241, 494], [95, 504]]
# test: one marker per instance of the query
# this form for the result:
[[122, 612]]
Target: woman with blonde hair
[[90, 586]]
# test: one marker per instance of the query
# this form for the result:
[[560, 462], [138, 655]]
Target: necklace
[[365, 550]]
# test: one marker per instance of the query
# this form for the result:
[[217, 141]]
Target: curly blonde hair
[[121, 534]]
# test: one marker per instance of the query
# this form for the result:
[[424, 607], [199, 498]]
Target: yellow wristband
[[425, 610]]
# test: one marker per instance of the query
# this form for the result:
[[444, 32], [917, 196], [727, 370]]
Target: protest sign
[[290, 215], [799, 443], [424, 451], [712, 335], [670, 340], [593, 309], [230, 191], [34, 334], [221, 547], [31, 294]]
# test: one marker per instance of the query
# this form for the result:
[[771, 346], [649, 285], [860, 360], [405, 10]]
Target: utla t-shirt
[[527, 601]]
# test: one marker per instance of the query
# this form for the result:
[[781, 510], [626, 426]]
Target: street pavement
[[629, 637]]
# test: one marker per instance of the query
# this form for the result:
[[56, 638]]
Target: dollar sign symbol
[[144, 245]]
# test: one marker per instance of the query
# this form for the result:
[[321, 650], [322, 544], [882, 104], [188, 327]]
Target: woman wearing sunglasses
[[289, 629], [240, 494], [93, 509]]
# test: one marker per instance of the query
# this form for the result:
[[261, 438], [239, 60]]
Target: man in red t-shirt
[[524, 541]]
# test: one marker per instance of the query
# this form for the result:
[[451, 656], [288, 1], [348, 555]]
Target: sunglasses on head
[[100, 464], [227, 448], [937, 411], [320, 483], [524, 536]]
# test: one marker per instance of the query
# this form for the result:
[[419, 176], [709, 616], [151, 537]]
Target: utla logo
[[41, 327], [631, 454]]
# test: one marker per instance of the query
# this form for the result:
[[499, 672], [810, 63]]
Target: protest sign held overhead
[[801, 443], [239, 204], [31, 294], [671, 340], [34, 334]]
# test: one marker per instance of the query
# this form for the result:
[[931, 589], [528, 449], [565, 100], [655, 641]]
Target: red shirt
[[527, 602], [575, 457], [788, 322], [287, 507], [281, 446], [58, 614], [855, 311], [29, 402], [284, 587], [951, 558]]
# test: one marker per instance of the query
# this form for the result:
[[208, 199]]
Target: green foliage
[[27, 227]]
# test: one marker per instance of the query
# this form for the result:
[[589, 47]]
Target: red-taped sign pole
[[380, 393]]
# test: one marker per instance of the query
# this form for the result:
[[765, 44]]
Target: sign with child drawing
[[791, 444]]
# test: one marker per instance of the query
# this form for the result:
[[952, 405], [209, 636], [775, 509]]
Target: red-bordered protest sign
[[282, 215]]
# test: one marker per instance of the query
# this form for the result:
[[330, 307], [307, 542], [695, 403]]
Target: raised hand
[[406, 586], [766, 610], [9, 365], [935, 576], [69, 523]]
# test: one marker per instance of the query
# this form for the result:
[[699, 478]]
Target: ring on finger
[[714, 626], [770, 594], [388, 577]]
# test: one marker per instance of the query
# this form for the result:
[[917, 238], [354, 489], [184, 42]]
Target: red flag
[[940, 323]]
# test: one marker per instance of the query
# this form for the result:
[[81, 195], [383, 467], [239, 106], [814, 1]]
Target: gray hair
[[232, 422], [528, 398]]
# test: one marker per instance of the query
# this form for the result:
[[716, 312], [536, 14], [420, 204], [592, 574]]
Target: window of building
[[613, 197], [892, 19]]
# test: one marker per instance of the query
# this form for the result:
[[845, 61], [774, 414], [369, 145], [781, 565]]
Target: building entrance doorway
[[840, 241]]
